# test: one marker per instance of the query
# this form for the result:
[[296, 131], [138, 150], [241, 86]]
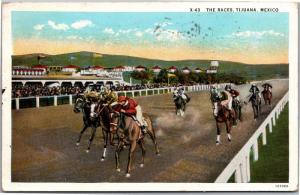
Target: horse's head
[[93, 111], [78, 105], [114, 121]]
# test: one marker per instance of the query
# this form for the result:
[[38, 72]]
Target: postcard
[[150, 96]]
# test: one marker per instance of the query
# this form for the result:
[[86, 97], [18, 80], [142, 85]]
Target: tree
[[143, 76], [162, 76]]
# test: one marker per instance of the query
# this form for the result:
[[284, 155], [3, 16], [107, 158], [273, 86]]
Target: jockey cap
[[122, 98]]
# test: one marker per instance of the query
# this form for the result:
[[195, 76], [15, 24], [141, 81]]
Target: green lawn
[[273, 163]]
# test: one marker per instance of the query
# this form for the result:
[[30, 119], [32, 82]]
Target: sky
[[254, 38]]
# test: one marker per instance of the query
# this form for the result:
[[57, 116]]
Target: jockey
[[234, 93], [131, 108], [215, 98], [254, 90], [227, 100], [180, 92], [267, 87], [91, 95], [110, 98]]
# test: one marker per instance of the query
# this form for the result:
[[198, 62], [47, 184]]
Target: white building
[[70, 68], [172, 69], [186, 70], [119, 69], [129, 68], [93, 70], [156, 69], [140, 68], [214, 63], [197, 70]]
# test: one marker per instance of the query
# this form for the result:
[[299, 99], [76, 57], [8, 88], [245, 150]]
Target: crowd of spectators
[[37, 89]]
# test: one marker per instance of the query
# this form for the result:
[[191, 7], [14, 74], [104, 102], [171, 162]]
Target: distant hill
[[86, 58]]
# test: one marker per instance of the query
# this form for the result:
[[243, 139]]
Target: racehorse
[[255, 102], [180, 105], [90, 118], [105, 113], [224, 116], [129, 133], [267, 95], [236, 105]]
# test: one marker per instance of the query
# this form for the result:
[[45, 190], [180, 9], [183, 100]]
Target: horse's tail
[[151, 132]]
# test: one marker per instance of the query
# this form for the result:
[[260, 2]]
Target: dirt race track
[[44, 140]]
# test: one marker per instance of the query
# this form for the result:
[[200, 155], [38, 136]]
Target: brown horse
[[224, 116], [267, 96], [129, 133], [105, 112]]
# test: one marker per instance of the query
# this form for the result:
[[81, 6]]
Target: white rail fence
[[240, 164], [53, 100]]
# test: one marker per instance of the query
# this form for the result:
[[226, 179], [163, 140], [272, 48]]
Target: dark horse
[[180, 104], [129, 133], [255, 102], [105, 113], [267, 96], [90, 118], [236, 105], [224, 116]]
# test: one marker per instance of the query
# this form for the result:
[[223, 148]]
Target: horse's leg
[[153, 138], [130, 157], [228, 129], [218, 133], [80, 134], [105, 139], [240, 113], [117, 154], [111, 139], [91, 138], [143, 153], [254, 111]]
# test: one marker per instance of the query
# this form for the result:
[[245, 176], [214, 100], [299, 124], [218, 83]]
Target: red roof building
[[156, 69], [119, 68], [172, 69], [186, 70], [140, 68], [70, 68]]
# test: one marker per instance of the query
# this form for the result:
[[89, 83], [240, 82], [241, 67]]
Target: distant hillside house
[[214, 63], [186, 70], [140, 68], [43, 67], [119, 69], [92, 70], [129, 68], [213, 67], [156, 69], [197, 70], [70, 68], [172, 69]]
